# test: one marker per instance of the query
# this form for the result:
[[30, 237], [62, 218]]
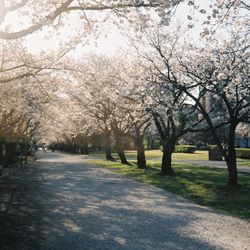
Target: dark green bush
[[209, 147], [185, 149], [243, 153]]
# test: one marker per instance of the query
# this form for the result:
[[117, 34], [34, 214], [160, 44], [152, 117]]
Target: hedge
[[185, 149], [209, 147], [243, 153]]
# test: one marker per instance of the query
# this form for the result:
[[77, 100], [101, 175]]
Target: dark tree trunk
[[231, 160], [1, 149], [86, 146], [168, 149], [141, 159], [1, 153], [109, 155], [10, 153], [232, 173], [168, 136], [166, 166], [86, 150], [123, 158], [120, 149], [141, 162], [107, 145]]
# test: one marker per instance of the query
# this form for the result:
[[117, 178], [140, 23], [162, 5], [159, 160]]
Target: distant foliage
[[185, 149], [209, 147], [243, 153]]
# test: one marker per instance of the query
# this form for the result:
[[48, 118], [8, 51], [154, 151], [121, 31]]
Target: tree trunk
[[232, 173], [120, 149], [1, 149], [10, 153], [109, 155], [1, 153], [107, 145], [86, 150], [141, 159], [166, 166], [86, 146], [231, 160], [123, 158]]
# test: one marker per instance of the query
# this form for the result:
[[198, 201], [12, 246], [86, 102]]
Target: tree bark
[[166, 166], [123, 158], [109, 155], [10, 153], [232, 173], [119, 148], [1, 152], [231, 159], [107, 145], [141, 159]]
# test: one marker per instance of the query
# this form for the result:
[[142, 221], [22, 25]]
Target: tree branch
[[63, 8]]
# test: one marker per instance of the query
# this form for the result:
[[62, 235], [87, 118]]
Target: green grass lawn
[[157, 154], [205, 186], [198, 155]]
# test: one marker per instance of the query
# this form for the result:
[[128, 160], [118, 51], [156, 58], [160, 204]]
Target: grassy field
[[205, 186], [157, 154]]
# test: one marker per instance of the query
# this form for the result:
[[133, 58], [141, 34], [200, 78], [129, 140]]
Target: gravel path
[[71, 204]]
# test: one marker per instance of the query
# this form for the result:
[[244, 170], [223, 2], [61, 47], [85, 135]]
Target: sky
[[107, 43], [110, 40]]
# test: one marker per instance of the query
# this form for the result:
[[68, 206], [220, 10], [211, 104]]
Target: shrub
[[185, 149], [243, 153], [209, 147]]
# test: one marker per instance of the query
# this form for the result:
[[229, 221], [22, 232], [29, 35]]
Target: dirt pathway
[[63, 202]]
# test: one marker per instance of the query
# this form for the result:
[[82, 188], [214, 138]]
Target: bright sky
[[108, 43], [105, 44]]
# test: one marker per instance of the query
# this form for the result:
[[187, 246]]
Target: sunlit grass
[[205, 186], [157, 154], [243, 162], [197, 155]]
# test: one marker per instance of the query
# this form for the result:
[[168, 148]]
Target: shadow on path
[[77, 205]]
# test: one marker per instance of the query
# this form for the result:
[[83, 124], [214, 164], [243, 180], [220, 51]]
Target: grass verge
[[157, 154], [203, 185]]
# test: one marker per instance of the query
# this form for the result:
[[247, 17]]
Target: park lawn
[[203, 185], [157, 154], [150, 154], [243, 162]]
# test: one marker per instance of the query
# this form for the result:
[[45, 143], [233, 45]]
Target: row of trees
[[168, 81], [179, 94]]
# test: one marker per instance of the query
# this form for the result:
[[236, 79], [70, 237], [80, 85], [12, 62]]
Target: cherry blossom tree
[[55, 13], [93, 92], [19, 120], [27, 87], [216, 80], [107, 89], [243, 134], [169, 109]]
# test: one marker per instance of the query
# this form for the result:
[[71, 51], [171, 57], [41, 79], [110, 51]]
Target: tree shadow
[[82, 206]]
